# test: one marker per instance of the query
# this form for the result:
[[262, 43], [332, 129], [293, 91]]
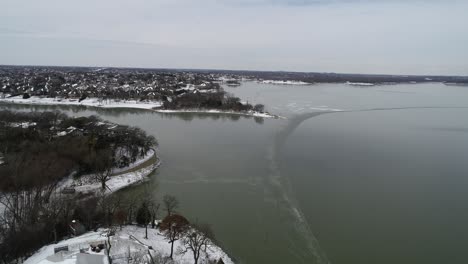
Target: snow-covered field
[[130, 238]]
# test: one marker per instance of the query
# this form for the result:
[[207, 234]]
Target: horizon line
[[230, 70]]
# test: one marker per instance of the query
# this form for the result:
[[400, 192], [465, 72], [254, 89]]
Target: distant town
[[174, 88], [165, 89]]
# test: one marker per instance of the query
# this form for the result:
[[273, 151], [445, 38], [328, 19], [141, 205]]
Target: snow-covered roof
[[82, 258], [75, 245]]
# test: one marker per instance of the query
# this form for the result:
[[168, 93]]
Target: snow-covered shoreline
[[115, 183], [360, 84], [150, 154], [93, 102], [284, 82], [131, 104]]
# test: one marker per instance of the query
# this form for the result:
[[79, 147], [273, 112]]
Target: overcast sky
[[351, 36]]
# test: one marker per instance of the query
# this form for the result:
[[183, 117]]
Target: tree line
[[215, 100]]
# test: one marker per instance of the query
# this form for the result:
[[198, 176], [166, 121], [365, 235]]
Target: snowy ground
[[121, 179], [160, 245], [130, 238], [118, 182]]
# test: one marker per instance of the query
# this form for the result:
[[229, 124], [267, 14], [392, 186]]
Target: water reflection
[[122, 112]]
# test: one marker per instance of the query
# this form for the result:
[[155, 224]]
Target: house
[[92, 251]]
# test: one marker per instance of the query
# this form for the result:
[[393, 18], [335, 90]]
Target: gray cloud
[[410, 37]]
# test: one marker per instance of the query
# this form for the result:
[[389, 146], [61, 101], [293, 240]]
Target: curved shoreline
[[133, 175], [130, 104]]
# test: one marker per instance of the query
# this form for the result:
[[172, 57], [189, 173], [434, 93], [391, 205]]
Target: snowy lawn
[[161, 246]]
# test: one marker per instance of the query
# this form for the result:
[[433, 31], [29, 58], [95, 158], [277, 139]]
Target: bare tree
[[109, 205], [131, 207], [148, 210], [197, 240], [144, 216], [120, 216], [170, 203], [103, 166], [174, 227], [110, 232], [136, 257], [154, 207]]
